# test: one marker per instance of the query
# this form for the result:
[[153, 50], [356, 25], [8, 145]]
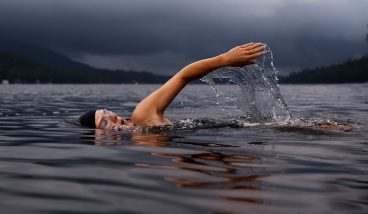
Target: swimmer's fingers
[[258, 49], [247, 45], [242, 55], [256, 55], [251, 46], [253, 51]]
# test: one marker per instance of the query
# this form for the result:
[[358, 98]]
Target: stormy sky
[[162, 36]]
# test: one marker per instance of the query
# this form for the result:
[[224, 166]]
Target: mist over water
[[260, 99]]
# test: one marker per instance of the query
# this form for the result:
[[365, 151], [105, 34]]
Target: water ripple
[[209, 163]]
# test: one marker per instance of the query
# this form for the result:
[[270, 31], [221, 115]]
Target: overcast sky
[[164, 35]]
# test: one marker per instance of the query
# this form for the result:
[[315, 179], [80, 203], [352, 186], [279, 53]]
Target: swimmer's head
[[108, 120], [102, 119], [88, 119]]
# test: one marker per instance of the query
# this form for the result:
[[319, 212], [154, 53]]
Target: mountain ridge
[[351, 71], [41, 55], [26, 63], [15, 69]]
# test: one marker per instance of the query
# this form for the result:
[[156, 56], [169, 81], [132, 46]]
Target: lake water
[[204, 165]]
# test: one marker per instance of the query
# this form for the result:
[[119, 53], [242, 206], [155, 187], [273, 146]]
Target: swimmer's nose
[[113, 118], [119, 120]]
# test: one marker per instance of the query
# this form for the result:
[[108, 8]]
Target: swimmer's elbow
[[183, 79], [187, 74]]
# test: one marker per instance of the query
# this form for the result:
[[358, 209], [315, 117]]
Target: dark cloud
[[164, 35]]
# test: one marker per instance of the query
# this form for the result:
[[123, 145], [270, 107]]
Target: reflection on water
[[220, 170], [208, 163]]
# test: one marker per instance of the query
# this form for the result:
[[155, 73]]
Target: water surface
[[209, 165]]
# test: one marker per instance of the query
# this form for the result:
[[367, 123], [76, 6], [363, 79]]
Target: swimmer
[[150, 111]]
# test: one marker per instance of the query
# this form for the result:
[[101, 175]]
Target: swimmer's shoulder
[[148, 118]]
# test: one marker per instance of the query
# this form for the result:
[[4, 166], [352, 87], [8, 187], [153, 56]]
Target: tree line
[[352, 71], [18, 70]]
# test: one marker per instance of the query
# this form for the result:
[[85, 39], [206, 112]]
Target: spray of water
[[260, 100]]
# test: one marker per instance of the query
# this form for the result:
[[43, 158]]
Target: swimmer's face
[[108, 120]]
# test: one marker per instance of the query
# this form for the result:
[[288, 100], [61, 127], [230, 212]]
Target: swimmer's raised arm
[[237, 57], [150, 111]]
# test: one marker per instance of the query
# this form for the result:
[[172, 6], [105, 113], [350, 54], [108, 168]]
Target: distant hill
[[27, 63], [352, 71], [41, 55], [16, 69]]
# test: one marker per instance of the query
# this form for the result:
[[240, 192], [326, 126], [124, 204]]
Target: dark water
[[209, 165]]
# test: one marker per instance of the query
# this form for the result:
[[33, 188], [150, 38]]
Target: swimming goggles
[[105, 122]]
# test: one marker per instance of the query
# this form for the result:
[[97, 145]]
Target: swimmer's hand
[[242, 55]]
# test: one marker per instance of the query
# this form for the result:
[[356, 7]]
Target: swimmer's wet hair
[[88, 119]]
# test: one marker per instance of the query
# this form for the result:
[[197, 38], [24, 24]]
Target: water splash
[[320, 124], [260, 100]]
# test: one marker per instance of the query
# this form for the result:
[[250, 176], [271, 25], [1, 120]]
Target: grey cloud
[[127, 34]]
